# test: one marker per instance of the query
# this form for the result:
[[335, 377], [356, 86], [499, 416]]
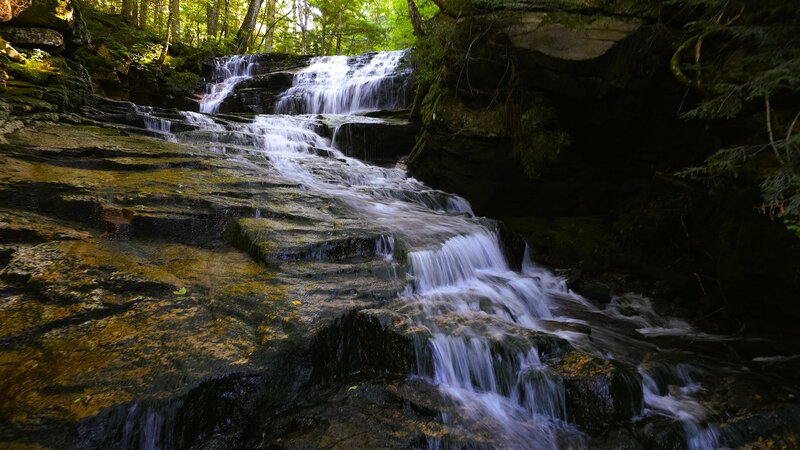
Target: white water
[[674, 398], [201, 121], [345, 85], [478, 312], [228, 72], [154, 123]]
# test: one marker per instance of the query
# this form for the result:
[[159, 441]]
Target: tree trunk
[[245, 34], [269, 35], [212, 18], [323, 41], [225, 24], [127, 6], [174, 20], [168, 35], [158, 17], [134, 13], [295, 16], [339, 33], [143, 6], [416, 20]]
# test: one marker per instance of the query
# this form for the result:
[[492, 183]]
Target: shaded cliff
[[564, 119]]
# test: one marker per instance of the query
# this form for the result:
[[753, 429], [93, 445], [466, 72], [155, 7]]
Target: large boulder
[[572, 37], [598, 392], [378, 141], [33, 37], [56, 15]]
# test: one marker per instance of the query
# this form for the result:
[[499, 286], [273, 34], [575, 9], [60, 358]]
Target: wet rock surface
[[164, 295], [599, 393], [156, 294], [118, 288]]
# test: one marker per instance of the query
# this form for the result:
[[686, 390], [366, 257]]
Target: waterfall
[[154, 123], [347, 85], [201, 121], [477, 312], [228, 72]]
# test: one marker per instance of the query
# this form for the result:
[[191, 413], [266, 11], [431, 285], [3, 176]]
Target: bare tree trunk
[[270, 32], [168, 36], [295, 16], [225, 24], [416, 20], [212, 18], [323, 41], [339, 33], [245, 34], [158, 17], [269, 35], [143, 6], [127, 6], [175, 15], [134, 13]]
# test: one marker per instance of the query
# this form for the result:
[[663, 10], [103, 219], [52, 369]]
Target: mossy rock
[[565, 241], [599, 392], [54, 14], [182, 83]]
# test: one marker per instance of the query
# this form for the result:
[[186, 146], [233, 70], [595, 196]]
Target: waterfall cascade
[[347, 85], [228, 72], [461, 288]]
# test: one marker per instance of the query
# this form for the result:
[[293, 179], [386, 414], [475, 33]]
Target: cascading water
[[347, 85], [154, 123], [477, 312], [228, 72]]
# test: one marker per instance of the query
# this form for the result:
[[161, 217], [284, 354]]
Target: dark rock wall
[[566, 125]]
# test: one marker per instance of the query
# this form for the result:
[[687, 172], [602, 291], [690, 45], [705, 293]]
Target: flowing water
[[483, 319], [228, 72]]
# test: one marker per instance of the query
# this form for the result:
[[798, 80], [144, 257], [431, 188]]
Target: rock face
[[58, 15], [379, 141], [570, 37], [272, 75], [258, 94], [33, 37], [599, 393], [117, 288], [562, 116]]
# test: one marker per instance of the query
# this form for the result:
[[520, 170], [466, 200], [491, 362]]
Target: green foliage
[[24, 73], [740, 55], [182, 82], [287, 26], [39, 67]]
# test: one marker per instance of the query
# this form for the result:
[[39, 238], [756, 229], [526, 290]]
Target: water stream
[[461, 288]]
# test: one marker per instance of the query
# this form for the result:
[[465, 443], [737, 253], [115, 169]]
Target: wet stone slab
[[118, 289]]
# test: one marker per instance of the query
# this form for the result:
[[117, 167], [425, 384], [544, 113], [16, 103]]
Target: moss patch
[[564, 241]]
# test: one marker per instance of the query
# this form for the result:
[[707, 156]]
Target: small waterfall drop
[[347, 85], [154, 123], [228, 72]]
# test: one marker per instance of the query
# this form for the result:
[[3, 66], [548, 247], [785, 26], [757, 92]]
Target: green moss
[[537, 142], [25, 73], [182, 83], [564, 241]]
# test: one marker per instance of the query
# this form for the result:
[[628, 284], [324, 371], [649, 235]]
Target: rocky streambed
[[178, 280]]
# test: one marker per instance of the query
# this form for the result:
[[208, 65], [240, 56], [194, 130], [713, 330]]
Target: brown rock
[[573, 37]]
